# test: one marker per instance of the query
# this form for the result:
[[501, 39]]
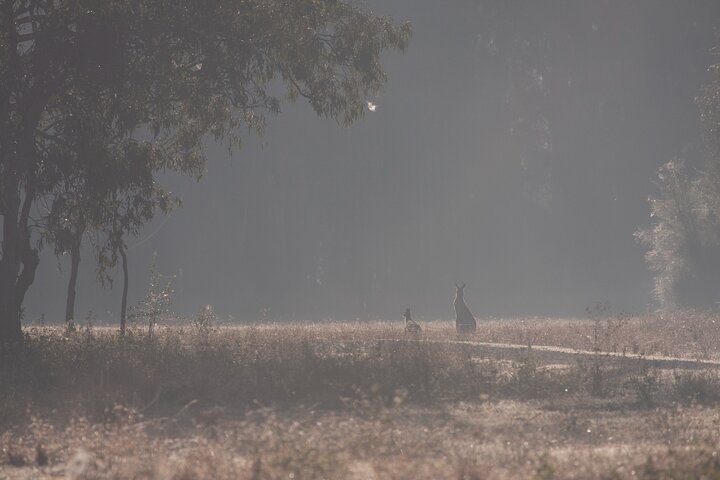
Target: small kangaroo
[[464, 320], [410, 325]]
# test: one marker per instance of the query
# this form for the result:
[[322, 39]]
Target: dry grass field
[[332, 401]]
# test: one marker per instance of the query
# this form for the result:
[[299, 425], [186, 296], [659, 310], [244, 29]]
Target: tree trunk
[[17, 251], [30, 260], [74, 264], [10, 330], [28, 255], [123, 305]]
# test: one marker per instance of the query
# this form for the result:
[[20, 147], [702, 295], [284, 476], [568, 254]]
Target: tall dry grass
[[333, 400], [96, 368]]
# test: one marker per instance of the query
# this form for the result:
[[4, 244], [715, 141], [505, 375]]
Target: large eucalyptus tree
[[98, 98]]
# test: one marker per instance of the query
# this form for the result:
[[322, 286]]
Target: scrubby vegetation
[[347, 401]]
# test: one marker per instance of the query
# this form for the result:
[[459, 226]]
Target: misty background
[[513, 149]]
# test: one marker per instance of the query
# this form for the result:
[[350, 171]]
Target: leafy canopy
[[98, 98]]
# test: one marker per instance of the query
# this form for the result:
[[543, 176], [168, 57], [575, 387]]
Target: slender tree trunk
[[10, 330], [30, 261], [17, 177], [74, 264], [17, 252], [123, 305], [14, 282], [28, 256]]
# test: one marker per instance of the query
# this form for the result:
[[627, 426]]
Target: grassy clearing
[[329, 401]]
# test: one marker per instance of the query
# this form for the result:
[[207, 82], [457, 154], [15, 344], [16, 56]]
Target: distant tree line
[[99, 98], [684, 241]]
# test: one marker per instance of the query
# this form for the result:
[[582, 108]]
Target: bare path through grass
[[552, 354]]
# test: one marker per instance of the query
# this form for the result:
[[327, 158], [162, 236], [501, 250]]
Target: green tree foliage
[[98, 98], [684, 240], [709, 103]]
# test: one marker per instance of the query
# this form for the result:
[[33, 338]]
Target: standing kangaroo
[[464, 320], [410, 325]]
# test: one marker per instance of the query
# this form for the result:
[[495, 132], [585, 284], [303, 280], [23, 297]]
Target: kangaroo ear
[[463, 286], [457, 286]]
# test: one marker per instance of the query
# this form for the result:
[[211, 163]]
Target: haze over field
[[452, 174], [512, 149]]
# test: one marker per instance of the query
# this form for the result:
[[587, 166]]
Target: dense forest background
[[513, 149]]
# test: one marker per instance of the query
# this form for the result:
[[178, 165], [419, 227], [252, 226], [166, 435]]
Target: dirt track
[[549, 354]]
